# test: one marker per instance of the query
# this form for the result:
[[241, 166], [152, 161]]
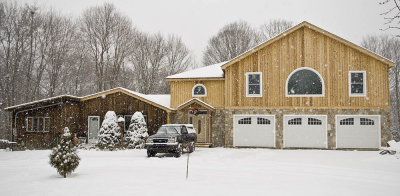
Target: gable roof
[[160, 101], [210, 71], [198, 101], [317, 29]]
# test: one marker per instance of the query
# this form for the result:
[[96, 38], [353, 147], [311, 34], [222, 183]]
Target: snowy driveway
[[216, 171]]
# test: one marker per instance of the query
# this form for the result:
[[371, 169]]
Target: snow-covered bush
[[109, 136], [137, 133], [64, 157]]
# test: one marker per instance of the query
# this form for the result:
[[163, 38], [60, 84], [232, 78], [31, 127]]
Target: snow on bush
[[395, 146], [109, 135], [137, 132], [64, 157]]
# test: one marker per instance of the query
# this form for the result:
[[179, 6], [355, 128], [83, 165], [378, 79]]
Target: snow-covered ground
[[216, 171]]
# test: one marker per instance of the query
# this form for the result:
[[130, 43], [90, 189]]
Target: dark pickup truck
[[172, 138]]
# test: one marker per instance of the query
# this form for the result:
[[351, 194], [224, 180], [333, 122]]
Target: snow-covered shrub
[[137, 133], [109, 136], [64, 157]]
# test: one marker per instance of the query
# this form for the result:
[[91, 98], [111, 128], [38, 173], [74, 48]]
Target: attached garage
[[254, 131], [305, 131], [357, 131]]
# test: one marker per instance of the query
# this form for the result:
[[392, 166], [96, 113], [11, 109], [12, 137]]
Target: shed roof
[[210, 71]]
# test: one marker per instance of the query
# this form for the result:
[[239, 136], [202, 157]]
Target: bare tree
[[389, 47], [231, 41], [273, 28], [108, 35], [392, 15]]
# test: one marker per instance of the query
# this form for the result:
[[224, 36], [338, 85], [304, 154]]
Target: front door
[[93, 128], [200, 124]]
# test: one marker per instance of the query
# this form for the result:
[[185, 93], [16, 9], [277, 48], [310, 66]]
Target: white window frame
[[364, 94], [38, 131], [205, 90], [247, 84], [305, 95]]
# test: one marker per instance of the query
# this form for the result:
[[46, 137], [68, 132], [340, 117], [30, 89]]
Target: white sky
[[197, 21]]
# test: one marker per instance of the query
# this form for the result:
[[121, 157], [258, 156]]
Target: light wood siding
[[306, 48], [181, 91]]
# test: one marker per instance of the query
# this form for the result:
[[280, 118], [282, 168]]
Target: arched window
[[305, 82], [199, 90]]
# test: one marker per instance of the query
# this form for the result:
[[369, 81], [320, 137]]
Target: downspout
[[16, 114]]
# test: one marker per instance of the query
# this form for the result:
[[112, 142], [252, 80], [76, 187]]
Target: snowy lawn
[[215, 171]]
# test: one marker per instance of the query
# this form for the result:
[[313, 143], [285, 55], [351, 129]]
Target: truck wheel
[[178, 152], [150, 153], [192, 147]]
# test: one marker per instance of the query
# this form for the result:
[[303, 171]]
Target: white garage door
[[358, 131], [254, 130], [305, 131]]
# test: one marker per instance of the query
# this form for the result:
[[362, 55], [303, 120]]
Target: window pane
[[40, 125], [254, 89], [29, 124], [254, 78], [357, 88], [47, 124], [35, 124], [127, 121], [357, 78], [199, 90], [304, 82]]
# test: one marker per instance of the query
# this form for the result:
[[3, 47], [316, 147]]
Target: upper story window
[[357, 83], [199, 90], [305, 82], [253, 84]]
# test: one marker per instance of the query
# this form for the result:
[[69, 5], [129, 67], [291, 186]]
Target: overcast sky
[[197, 21]]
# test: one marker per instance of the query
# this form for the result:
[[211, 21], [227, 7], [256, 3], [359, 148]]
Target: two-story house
[[305, 88]]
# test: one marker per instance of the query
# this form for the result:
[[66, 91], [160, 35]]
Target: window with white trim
[[357, 83], [305, 82], [366, 121], [38, 124], [263, 121], [199, 90], [347, 121], [245, 121], [294, 121], [253, 84], [314, 121]]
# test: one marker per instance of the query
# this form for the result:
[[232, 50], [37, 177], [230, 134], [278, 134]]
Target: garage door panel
[[254, 131], [363, 133], [305, 131]]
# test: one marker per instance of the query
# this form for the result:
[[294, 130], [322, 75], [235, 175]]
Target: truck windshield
[[167, 130]]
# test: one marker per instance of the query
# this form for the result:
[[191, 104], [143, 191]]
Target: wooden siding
[[122, 104], [307, 48], [181, 91]]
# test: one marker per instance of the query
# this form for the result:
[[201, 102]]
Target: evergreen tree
[[109, 136], [137, 133], [64, 157]]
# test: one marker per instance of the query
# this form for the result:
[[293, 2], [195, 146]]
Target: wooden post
[[168, 117]]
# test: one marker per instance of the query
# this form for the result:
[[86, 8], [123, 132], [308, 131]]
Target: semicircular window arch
[[305, 82], [199, 90]]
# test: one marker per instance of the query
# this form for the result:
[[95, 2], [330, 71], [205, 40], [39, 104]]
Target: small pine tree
[[64, 157], [137, 133], [109, 136]]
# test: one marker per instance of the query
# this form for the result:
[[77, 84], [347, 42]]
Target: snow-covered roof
[[41, 100], [210, 71], [162, 100], [195, 99]]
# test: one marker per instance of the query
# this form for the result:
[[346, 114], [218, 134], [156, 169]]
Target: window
[[357, 83], [245, 121], [294, 121], [347, 121], [253, 84], [199, 90], [305, 82], [263, 121], [38, 124], [314, 121], [366, 121]]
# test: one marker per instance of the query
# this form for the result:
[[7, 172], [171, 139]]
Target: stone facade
[[222, 122]]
